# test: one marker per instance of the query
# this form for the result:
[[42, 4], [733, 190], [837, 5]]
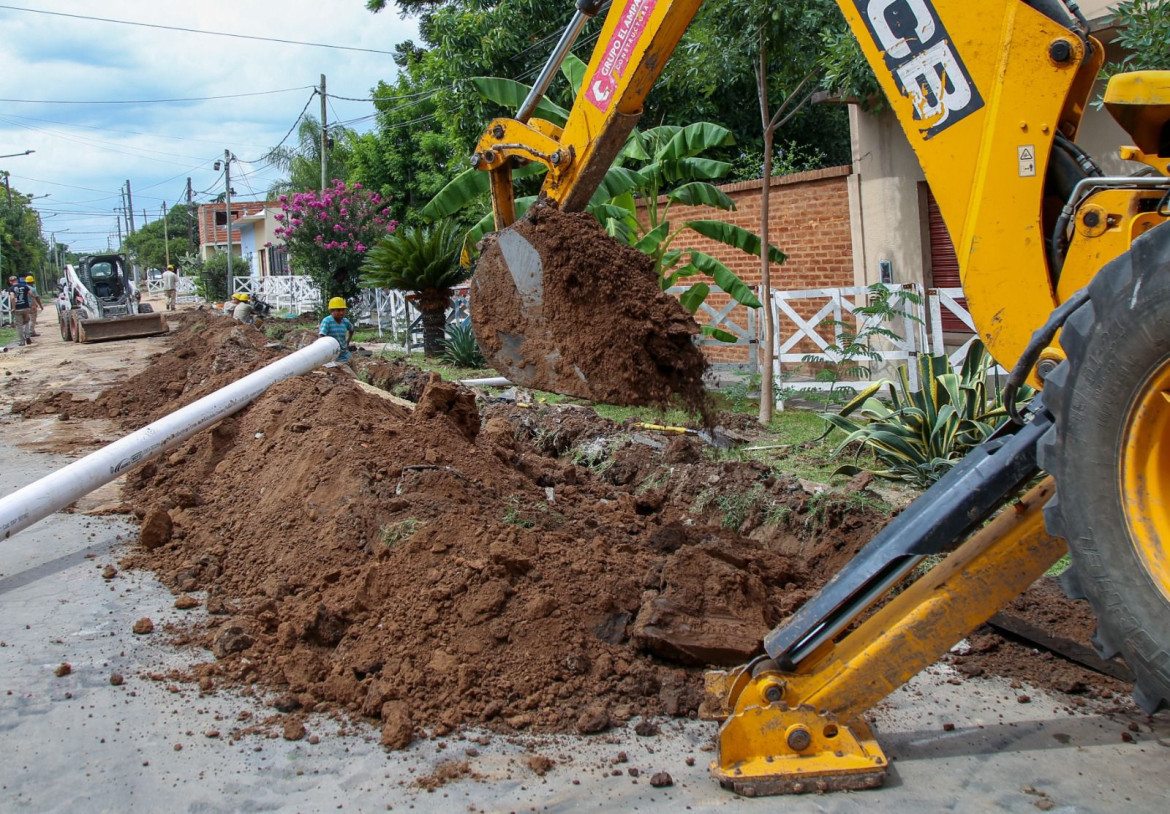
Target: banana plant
[[665, 157], [918, 436]]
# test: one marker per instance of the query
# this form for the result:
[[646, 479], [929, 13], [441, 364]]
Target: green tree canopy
[[23, 250]]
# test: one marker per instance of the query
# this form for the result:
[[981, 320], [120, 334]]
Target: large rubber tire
[[145, 308], [65, 325], [1110, 456]]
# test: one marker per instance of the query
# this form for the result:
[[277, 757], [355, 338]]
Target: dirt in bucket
[[603, 330]]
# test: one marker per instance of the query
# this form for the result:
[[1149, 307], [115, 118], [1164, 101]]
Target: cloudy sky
[[57, 69]]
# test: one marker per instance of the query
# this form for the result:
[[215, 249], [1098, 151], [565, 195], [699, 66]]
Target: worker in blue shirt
[[338, 326]]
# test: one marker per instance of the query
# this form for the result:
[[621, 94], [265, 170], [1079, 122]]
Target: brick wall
[[808, 220]]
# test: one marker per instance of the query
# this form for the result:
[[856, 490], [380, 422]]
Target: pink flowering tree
[[329, 233]]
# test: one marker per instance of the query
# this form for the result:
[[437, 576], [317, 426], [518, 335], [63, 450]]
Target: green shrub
[[918, 437], [460, 348]]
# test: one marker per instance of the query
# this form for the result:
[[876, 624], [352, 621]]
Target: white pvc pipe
[[495, 381], [57, 490]]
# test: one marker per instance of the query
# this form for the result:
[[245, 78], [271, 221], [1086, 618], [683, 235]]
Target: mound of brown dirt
[[438, 566], [1045, 606], [602, 330]]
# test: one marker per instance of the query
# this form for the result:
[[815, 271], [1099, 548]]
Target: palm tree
[[423, 260]]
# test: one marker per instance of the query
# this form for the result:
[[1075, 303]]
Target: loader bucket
[[559, 305], [127, 327]]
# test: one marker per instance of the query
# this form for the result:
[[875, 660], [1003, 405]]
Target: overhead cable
[[199, 31]]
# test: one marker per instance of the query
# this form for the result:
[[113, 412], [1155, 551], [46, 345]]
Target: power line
[[309, 101], [150, 101], [198, 31]]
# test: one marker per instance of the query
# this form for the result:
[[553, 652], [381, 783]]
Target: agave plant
[[918, 436], [423, 260], [460, 348]]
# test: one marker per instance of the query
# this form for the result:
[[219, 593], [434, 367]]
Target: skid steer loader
[[98, 300], [1067, 274]]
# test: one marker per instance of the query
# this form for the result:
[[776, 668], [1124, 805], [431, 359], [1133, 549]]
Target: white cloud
[[157, 146]]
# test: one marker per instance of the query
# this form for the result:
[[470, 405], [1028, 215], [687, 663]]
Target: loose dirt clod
[[660, 779], [63, 669], [143, 626], [116, 679]]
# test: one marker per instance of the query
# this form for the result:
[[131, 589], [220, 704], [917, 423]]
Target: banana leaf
[[718, 333], [465, 188], [732, 235], [726, 279], [693, 297], [694, 139], [573, 69], [511, 94], [698, 193]]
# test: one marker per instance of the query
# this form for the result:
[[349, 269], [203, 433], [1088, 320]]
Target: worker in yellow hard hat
[[243, 310], [338, 326], [37, 305]]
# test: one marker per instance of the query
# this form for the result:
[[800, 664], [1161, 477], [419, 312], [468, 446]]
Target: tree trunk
[[433, 307], [769, 127]]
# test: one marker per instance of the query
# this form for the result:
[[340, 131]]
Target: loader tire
[[65, 326], [1109, 452]]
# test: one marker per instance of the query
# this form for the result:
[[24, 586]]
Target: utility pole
[[324, 135], [130, 223], [227, 178], [191, 217], [118, 212], [166, 237]]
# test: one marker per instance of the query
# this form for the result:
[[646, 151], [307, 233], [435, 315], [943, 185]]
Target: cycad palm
[[423, 260]]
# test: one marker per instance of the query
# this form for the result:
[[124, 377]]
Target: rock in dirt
[[593, 719], [232, 638], [661, 779], [186, 602], [294, 730], [540, 764], [156, 530], [116, 679], [397, 729], [605, 330], [109, 572], [143, 626], [646, 729], [63, 669]]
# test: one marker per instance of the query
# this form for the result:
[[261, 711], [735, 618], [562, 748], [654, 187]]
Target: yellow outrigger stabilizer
[[792, 720]]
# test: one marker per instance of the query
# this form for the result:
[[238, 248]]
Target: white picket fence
[[798, 336], [745, 335]]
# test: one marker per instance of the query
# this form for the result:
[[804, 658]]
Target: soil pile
[[541, 569], [1045, 606], [590, 320], [199, 361], [537, 569]]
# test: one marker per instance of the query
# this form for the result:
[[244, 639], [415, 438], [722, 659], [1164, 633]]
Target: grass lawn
[[7, 336]]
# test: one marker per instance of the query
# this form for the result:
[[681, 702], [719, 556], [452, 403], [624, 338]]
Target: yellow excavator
[[1067, 274]]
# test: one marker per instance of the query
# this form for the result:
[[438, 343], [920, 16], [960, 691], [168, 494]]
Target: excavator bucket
[[126, 327], [558, 305]]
